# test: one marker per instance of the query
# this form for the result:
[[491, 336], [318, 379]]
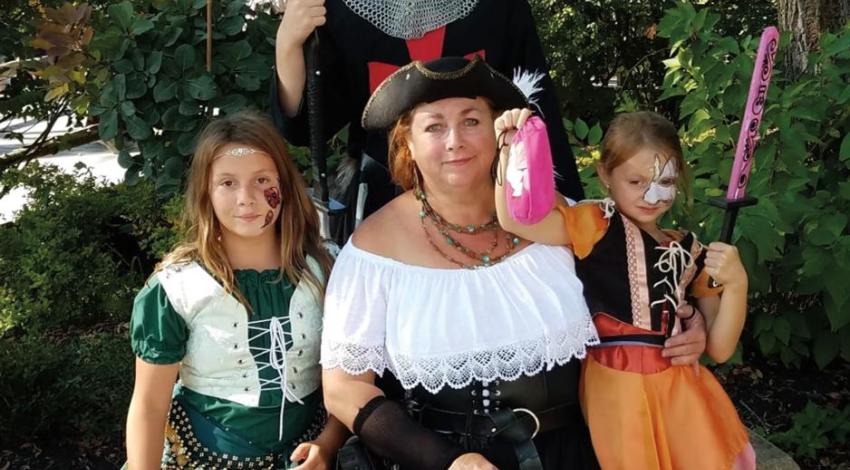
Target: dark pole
[[318, 146]]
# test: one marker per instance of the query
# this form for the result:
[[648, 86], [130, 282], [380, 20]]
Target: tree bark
[[806, 20]]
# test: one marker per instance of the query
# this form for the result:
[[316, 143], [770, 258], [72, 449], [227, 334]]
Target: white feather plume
[[529, 83]]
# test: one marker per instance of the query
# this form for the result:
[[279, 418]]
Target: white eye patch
[[658, 192]]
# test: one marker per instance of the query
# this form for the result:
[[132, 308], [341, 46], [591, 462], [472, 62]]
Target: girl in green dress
[[234, 311]]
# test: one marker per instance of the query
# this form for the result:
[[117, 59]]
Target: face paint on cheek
[[269, 218], [656, 192], [272, 197]]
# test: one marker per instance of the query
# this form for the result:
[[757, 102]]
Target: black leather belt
[[481, 425], [516, 426]]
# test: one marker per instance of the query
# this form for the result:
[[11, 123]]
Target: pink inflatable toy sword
[[736, 196]]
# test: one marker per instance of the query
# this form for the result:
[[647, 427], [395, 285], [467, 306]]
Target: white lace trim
[[458, 370]]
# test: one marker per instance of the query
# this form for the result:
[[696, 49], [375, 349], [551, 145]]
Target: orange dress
[[643, 412]]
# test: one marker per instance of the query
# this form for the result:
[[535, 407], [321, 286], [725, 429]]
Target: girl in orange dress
[[643, 412]]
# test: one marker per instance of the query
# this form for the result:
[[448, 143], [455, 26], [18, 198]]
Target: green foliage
[[795, 243], [73, 385], [158, 92], [813, 429], [78, 251], [605, 54]]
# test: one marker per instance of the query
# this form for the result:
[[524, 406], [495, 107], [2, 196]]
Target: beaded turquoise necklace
[[446, 230]]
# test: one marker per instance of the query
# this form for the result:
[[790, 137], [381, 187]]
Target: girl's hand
[[300, 18], [508, 123], [311, 456], [723, 264], [472, 461]]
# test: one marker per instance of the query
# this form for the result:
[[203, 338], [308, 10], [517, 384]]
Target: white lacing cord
[[675, 260], [277, 360], [607, 205]]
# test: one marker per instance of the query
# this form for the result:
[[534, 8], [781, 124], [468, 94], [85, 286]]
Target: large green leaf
[[826, 348], [174, 167], [136, 86], [581, 129], [124, 159], [184, 56], [838, 314], [844, 151], [186, 143], [230, 26], [137, 128], [231, 53], [108, 126], [128, 108], [154, 62], [120, 83], [164, 90], [121, 14], [188, 108], [141, 26], [201, 87], [782, 330]]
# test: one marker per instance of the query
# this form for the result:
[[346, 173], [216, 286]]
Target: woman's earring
[[417, 183]]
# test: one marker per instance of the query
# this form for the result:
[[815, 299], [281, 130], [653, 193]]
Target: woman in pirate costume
[[235, 309], [364, 41], [481, 332]]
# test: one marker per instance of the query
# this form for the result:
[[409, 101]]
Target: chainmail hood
[[410, 19]]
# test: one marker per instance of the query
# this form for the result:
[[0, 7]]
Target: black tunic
[[501, 30]]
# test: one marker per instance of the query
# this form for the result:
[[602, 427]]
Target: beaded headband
[[240, 151]]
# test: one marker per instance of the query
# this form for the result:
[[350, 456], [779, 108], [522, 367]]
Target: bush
[[796, 242], [71, 386], [589, 43], [799, 230], [78, 251], [158, 92]]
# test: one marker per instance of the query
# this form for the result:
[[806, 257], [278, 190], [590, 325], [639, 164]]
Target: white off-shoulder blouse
[[436, 327]]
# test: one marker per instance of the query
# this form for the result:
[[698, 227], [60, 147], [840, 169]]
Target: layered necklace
[[447, 231]]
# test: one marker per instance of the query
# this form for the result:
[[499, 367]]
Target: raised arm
[[551, 229], [300, 18], [725, 316]]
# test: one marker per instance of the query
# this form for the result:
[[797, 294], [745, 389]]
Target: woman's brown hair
[[629, 132], [297, 224]]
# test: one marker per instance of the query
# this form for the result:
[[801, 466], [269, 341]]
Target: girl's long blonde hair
[[297, 224]]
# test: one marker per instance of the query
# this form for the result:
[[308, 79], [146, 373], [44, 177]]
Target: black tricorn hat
[[447, 77]]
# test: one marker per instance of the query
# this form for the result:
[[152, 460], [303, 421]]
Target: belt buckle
[[533, 416]]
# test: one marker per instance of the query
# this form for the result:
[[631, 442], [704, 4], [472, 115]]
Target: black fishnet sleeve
[[386, 429]]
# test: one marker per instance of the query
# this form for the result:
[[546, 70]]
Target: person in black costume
[[476, 334], [363, 41]]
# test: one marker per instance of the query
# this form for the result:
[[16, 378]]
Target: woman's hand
[[687, 346], [723, 264], [472, 461], [509, 123], [311, 456], [300, 18]]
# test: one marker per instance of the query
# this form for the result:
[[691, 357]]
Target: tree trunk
[[806, 20]]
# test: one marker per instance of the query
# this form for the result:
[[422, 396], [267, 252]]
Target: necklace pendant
[[450, 241], [486, 260], [470, 228]]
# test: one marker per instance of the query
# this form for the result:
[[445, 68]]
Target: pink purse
[[529, 176]]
